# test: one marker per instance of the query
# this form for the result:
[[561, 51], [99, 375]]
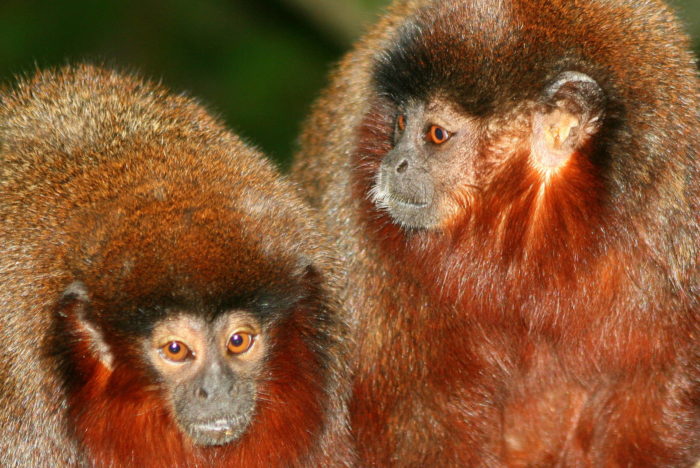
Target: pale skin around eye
[[181, 344]]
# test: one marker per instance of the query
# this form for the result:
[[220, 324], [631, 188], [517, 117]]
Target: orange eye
[[401, 122], [176, 351], [438, 135], [240, 342]]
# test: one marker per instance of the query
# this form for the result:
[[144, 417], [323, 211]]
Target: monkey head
[[435, 149], [206, 366], [449, 136], [199, 325], [482, 124]]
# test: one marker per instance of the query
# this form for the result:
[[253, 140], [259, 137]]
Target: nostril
[[402, 166], [202, 393]]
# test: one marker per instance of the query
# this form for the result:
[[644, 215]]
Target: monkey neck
[[530, 220]]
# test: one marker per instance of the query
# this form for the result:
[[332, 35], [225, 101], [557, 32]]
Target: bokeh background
[[256, 63]]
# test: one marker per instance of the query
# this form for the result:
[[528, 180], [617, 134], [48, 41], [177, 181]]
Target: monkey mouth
[[218, 432], [409, 213], [407, 203], [218, 425], [384, 199]]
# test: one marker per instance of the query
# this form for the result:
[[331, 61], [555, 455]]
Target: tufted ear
[[73, 309], [571, 115]]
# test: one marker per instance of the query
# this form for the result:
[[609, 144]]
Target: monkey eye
[[240, 342], [438, 135], [176, 351], [401, 122]]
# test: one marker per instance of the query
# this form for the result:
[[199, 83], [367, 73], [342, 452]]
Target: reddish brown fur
[[554, 328], [142, 197]]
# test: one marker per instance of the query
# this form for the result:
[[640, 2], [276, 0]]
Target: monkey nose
[[402, 166]]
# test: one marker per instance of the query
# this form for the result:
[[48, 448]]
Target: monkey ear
[[73, 308], [571, 114]]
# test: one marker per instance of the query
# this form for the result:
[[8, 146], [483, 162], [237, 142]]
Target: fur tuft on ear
[[73, 306], [76, 291], [571, 115]]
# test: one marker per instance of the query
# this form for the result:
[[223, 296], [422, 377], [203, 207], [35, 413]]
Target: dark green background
[[259, 64]]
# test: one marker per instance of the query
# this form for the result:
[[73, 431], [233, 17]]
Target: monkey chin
[[217, 432], [409, 214]]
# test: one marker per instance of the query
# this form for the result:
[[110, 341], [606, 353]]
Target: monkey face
[[185, 332], [442, 161], [433, 151], [208, 371], [447, 139]]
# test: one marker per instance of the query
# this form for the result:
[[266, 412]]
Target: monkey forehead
[[200, 246], [438, 51], [182, 323], [484, 54]]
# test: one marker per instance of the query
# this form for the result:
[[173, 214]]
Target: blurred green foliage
[[257, 63]]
